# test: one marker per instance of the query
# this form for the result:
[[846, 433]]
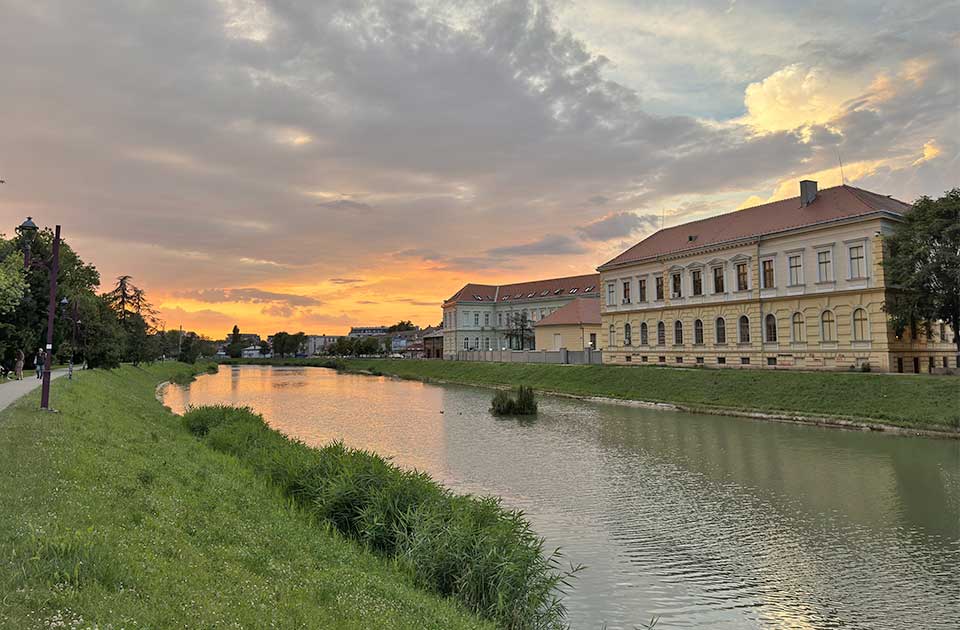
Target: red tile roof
[[534, 290], [580, 311], [840, 202]]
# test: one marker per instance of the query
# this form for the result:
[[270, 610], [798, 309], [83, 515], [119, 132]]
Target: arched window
[[486, 343], [627, 334], [859, 325], [661, 334], [828, 326], [721, 330], [797, 327], [476, 343], [744, 328], [678, 332], [643, 333], [770, 326], [613, 336], [698, 332], [466, 343]]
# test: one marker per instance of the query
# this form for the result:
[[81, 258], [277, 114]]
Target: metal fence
[[558, 357]]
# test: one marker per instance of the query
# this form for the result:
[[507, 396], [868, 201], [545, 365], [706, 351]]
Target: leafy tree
[[13, 282], [403, 324], [103, 340], [264, 348], [923, 265], [285, 344], [368, 345], [520, 331], [235, 336]]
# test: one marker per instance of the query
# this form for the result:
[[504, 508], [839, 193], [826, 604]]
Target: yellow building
[[576, 326], [797, 283]]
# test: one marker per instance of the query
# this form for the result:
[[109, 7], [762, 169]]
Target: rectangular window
[[858, 266], [767, 274], [626, 292], [593, 340], [744, 360], [771, 360], [679, 359], [611, 294], [644, 358], [628, 358], [500, 319], [476, 319], [741, 276], [659, 287], [721, 360], [662, 359], [718, 279], [699, 360], [824, 272], [677, 285], [642, 291], [697, 277], [486, 319], [795, 263]]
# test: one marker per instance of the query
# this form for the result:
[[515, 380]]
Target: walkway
[[10, 391]]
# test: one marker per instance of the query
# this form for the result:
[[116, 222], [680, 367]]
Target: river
[[704, 521]]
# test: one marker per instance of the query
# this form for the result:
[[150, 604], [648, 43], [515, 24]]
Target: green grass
[[468, 548], [914, 401], [113, 515]]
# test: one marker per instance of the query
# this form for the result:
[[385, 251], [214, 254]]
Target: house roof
[[533, 290], [830, 204], [579, 311]]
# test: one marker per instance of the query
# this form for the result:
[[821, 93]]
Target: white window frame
[[803, 327], [723, 278], [736, 275], [823, 336], [663, 288], [866, 324], [740, 338], [626, 289], [831, 269], [611, 294], [850, 246], [790, 278], [693, 285], [773, 269]]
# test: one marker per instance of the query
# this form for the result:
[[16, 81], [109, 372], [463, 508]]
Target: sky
[[311, 165]]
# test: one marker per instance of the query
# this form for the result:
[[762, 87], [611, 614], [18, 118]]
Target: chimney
[[808, 192]]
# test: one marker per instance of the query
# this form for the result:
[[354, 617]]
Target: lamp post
[[27, 231]]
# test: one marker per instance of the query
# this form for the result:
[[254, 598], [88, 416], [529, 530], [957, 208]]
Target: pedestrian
[[18, 366], [41, 358]]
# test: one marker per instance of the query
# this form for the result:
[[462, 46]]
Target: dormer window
[[572, 291], [478, 298], [545, 293], [558, 292], [532, 294], [589, 289]]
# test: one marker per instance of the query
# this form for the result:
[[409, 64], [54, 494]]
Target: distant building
[[253, 352], [797, 283], [318, 344], [248, 339], [487, 317], [575, 326], [433, 344], [401, 339], [367, 331]]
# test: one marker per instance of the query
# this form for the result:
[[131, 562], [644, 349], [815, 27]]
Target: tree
[[235, 336], [403, 324], [13, 282], [264, 348], [922, 265], [520, 331], [103, 340]]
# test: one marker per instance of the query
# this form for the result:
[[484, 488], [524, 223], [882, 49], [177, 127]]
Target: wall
[[532, 356], [572, 336]]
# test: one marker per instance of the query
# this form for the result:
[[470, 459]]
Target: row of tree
[[99, 329]]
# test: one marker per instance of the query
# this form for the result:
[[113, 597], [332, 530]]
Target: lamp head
[[28, 229]]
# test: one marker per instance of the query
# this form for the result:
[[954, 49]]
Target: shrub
[[469, 548], [524, 404]]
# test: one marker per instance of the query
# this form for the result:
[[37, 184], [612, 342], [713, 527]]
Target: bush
[[473, 549], [524, 404]]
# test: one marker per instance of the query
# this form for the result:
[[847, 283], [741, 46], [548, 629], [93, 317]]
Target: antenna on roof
[[843, 180]]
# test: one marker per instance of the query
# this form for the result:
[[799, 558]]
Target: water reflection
[[706, 521]]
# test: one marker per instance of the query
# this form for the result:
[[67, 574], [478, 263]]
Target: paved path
[[10, 391]]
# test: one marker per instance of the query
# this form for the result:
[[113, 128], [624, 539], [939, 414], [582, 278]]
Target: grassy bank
[[113, 515], [464, 547], [922, 402]]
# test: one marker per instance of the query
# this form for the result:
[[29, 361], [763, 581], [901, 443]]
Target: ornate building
[[797, 283]]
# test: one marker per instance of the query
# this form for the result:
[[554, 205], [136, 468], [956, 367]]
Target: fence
[[559, 357]]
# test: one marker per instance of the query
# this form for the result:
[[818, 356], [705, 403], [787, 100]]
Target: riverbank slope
[[916, 402], [113, 515]]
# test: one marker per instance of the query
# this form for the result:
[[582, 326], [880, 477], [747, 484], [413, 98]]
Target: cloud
[[345, 204], [549, 245], [346, 280], [248, 295], [617, 225]]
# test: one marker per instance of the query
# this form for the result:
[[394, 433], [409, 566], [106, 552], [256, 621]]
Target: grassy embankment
[[911, 401], [113, 515]]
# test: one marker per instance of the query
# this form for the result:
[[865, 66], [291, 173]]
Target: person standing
[[18, 365], [41, 358]]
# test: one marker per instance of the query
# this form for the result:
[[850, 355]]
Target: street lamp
[[28, 231]]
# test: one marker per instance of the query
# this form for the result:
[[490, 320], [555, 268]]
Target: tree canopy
[[922, 265]]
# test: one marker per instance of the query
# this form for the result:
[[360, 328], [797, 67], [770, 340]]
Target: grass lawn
[[113, 516], [915, 401]]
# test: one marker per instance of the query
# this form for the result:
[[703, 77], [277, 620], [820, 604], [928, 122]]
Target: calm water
[[705, 521]]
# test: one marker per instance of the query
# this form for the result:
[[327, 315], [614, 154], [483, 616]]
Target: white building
[[484, 317]]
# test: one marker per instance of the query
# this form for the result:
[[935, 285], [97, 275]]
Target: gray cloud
[[346, 280], [617, 225], [549, 245], [248, 295], [345, 204]]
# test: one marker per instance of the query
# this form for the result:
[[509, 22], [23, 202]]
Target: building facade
[[367, 331], [503, 317], [797, 283], [575, 326]]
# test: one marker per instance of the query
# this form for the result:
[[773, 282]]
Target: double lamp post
[[28, 231]]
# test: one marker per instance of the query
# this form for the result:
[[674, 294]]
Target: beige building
[[503, 317], [575, 326], [797, 283]]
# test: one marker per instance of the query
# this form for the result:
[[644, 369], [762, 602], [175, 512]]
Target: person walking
[[18, 365], [41, 358]]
